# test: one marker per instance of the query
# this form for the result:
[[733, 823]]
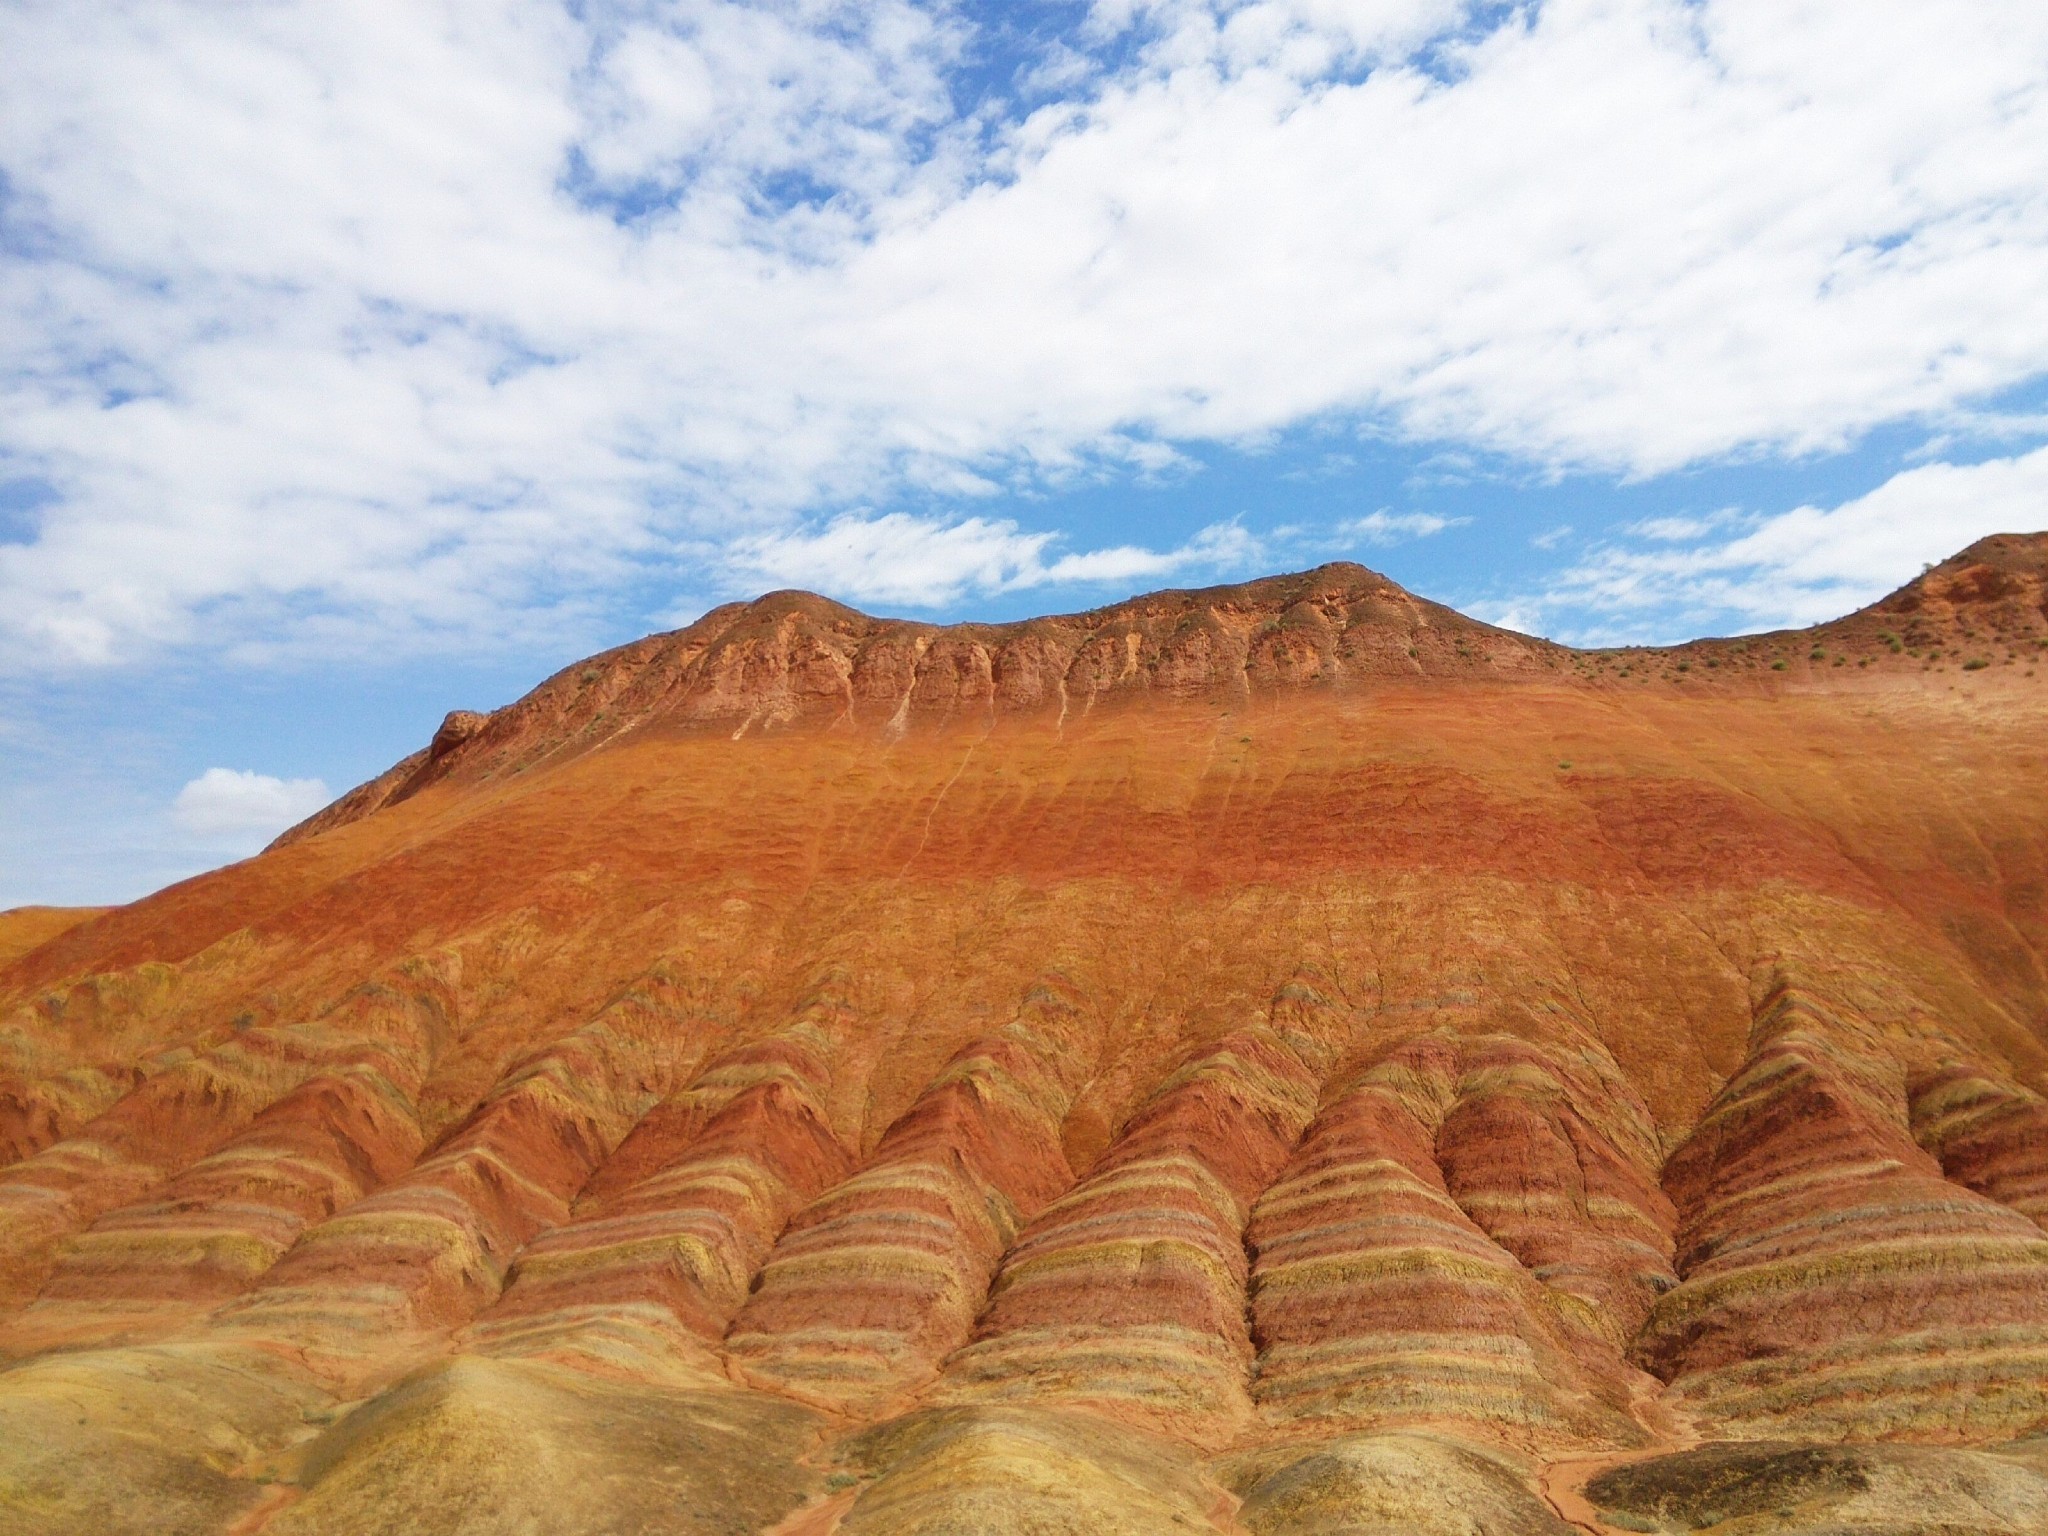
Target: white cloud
[[392, 324], [1679, 530], [235, 806], [1385, 528], [1806, 565], [928, 562]]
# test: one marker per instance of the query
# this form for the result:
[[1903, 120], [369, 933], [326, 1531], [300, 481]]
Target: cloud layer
[[341, 327], [898, 558], [238, 808], [1804, 566]]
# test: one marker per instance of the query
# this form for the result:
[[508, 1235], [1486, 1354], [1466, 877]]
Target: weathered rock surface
[[645, 1280], [1773, 1489], [1988, 1133], [1127, 1294], [1270, 1060], [879, 1278], [1834, 1283], [1379, 1301], [1375, 1485]]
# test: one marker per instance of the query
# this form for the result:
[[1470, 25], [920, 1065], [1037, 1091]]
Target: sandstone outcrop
[[1128, 1293], [878, 1279], [1272, 1060], [646, 1279], [1833, 1281], [1379, 1301]]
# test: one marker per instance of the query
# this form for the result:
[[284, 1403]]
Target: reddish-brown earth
[[1283, 1059]]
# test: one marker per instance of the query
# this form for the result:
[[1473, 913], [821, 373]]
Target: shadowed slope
[[1988, 1133], [146, 1269], [176, 1116], [1378, 1300], [427, 1252]]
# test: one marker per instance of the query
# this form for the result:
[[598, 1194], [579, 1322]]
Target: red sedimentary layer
[[1553, 1155], [1833, 1281], [1524, 894], [650, 1273], [348, 1125], [219, 1225], [1127, 1293], [431, 1249], [877, 1280], [170, 1120], [1378, 1300], [1988, 1133], [37, 1112], [793, 658]]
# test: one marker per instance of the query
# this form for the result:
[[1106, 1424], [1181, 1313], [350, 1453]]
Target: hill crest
[[793, 658]]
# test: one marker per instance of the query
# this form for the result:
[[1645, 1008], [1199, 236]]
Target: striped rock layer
[[1988, 1134], [189, 1105], [1379, 1295], [644, 1281], [37, 1111], [428, 1251], [879, 1278], [1834, 1283], [218, 1226], [185, 1111], [1128, 1292], [622, 1115]]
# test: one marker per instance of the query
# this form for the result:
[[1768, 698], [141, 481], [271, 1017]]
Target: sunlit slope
[[1269, 1059]]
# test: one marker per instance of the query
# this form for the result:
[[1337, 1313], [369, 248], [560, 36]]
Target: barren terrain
[[1283, 1059]]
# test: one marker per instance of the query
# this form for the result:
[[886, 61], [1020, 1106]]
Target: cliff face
[[1279, 1059]]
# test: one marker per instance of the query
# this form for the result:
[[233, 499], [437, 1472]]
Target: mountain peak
[[2003, 577], [793, 658]]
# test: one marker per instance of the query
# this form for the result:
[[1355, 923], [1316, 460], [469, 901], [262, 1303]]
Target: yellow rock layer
[[1126, 1295]]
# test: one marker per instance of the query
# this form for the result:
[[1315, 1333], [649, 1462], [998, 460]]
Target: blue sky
[[365, 362]]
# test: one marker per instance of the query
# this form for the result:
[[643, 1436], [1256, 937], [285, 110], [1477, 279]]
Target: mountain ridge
[[1609, 1093], [792, 658]]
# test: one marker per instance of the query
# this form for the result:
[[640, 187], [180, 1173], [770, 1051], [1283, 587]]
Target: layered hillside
[[1277, 1059]]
